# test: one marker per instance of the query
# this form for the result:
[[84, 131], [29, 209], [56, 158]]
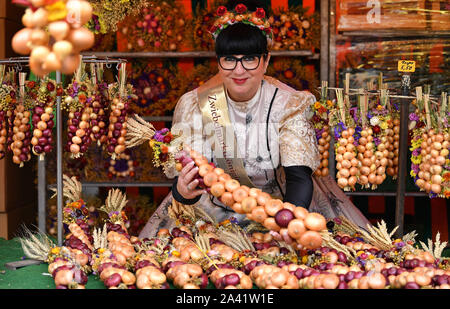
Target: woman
[[253, 126]]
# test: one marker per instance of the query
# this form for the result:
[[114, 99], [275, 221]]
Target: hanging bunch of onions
[[78, 102], [320, 120], [393, 136], [119, 109], [372, 146], [433, 169], [99, 116], [21, 144], [54, 35], [285, 218], [7, 98], [324, 146], [42, 118], [345, 150]]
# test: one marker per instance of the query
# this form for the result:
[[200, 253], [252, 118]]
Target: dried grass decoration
[[201, 24], [293, 29], [294, 73], [156, 87], [107, 14], [159, 26]]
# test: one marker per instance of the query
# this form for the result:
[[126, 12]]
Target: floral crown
[[241, 14]]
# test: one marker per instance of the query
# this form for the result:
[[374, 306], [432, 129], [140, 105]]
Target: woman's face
[[243, 84]]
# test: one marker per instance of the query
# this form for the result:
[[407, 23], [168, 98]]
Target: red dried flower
[[240, 8], [167, 139], [260, 13], [82, 98], [221, 10], [376, 129], [50, 87]]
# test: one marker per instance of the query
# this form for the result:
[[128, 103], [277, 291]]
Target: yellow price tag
[[406, 66]]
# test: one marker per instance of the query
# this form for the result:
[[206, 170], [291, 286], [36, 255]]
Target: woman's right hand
[[187, 182]]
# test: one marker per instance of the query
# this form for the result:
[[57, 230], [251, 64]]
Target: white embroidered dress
[[288, 132]]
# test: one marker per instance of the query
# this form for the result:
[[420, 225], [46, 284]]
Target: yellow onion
[[70, 63], [20, 41], [440, 160], [39, 53], [39, 37], [58, 30], [436, 179], [51, 63], [436, 188], [39, 18], [27, 18], [36, 60], [62, 49], [79, 12], [81, 39]]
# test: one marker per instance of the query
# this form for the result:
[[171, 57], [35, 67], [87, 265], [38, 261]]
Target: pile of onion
[[149, 274], [186, 276], [286, 219], [120, 245], [117, 128], [116, 276], [347, 163], [21, 139], [67, 275], [187, 249], [323, 147], [54, 40], [273, 277], [226, 278], [435, 152], [393, 135]]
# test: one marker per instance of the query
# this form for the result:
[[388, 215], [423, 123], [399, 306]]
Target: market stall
[[108, 108]]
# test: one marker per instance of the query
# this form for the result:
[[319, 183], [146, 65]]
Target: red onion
[[412, 285], [283, 217], [231, 279], [113, 280]]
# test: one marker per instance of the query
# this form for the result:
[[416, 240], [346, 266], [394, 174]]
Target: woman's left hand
[[283, 237]]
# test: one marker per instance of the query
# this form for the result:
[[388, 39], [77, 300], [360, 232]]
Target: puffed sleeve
[[298, 144], [186, 118]]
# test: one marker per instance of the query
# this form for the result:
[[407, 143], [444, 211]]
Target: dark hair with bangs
[[241, 39]]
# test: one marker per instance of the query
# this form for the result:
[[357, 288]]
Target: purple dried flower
[[413, 117], [377, 141]]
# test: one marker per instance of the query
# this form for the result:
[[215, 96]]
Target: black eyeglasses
[[249, 62]]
